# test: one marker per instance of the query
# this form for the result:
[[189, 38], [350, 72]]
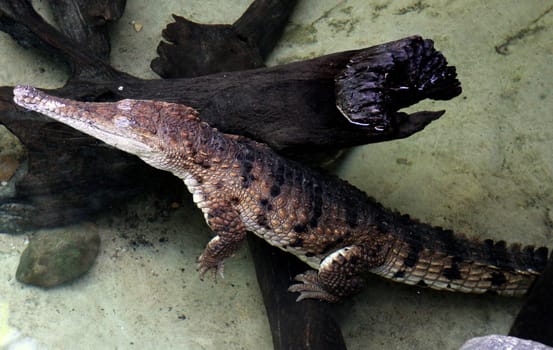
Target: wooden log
[[535, 320], [292, 107]]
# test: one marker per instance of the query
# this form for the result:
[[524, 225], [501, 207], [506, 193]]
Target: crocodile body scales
[[243, 186]]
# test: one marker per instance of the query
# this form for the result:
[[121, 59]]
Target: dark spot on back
[[278, 173], [421, 283], [332, 245], [275, 190], [450, 243], [540, 259], [353, 260], [399, 274], [300, 228], [261, 220], [453, 273], [414, 240], [247, 167], [297, 243], [264, 203], [351, 213], [498, 255], [382, 223], [247, 177], [317, 209], [498, 279], [250, 156]]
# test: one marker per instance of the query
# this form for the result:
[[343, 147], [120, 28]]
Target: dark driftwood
[[535, 320], [196, 49], [291, 107]]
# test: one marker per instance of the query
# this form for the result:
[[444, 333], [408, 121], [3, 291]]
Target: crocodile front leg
[[230, 232]]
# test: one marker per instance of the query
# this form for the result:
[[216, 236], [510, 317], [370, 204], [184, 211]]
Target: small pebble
[[137, 26]]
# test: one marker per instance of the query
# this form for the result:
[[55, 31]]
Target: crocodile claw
[[310, 288], [205, 265]]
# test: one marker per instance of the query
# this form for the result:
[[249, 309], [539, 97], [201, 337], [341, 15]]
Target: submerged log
[[292, 107], [535, 320]]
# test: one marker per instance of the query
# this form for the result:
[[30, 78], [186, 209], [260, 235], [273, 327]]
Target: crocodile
[[241, 186]]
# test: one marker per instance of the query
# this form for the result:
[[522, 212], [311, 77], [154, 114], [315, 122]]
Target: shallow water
[[485, 169]]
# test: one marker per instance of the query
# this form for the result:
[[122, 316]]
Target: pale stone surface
[[501, 342]]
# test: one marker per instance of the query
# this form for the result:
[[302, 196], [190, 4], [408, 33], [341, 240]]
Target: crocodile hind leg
[[338, 275], [230, 233]]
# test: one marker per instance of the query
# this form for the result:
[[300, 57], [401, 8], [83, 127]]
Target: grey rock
[[57, 256], [502, 342]]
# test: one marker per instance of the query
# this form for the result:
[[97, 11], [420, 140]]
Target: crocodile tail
[[429, 256]]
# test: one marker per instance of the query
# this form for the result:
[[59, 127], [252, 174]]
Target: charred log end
[[195, 49], [381, 80]]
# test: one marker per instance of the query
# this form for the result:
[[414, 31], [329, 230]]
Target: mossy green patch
[[300, 34]]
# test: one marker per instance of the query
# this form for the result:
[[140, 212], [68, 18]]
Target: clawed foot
[[206, 264], [310, 288]]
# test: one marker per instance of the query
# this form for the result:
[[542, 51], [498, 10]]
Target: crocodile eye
[[122, 122]]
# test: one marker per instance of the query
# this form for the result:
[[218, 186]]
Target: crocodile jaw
[[114, 128]]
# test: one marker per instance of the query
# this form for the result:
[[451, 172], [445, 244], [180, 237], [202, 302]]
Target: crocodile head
[[151, 130]]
